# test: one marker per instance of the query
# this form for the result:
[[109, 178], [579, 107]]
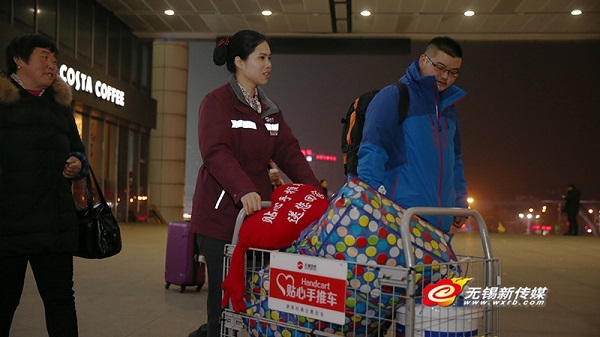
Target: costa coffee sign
[[82, 82]]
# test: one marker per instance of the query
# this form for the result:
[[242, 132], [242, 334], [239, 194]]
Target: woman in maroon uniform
[[239, 130]]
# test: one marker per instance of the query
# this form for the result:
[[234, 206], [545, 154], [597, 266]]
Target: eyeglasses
[[440, 68]]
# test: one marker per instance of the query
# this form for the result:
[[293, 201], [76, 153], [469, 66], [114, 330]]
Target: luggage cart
[[401, 309]]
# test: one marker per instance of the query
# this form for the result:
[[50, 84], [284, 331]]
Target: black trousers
[[213, 249], [54, 279], [573, 225]]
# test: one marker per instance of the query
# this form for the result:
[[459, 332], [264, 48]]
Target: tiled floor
[[124, 296]]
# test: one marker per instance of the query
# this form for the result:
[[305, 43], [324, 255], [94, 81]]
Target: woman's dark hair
[[240, 44], [23, 46]]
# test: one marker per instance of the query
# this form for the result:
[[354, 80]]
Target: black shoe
[[200, 332]]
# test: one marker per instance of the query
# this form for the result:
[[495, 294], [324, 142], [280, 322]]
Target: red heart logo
[[283, 281]]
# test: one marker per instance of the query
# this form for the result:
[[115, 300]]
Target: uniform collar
[[270, 106]]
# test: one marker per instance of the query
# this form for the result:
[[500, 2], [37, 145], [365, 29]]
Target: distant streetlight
[[528, 218]]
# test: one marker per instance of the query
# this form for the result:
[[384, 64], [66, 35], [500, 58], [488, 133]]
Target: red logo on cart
[[313, 290], [308, 286], [443, 292]]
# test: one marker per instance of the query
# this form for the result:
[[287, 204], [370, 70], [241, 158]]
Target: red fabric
[[293, 208], [34, 92]]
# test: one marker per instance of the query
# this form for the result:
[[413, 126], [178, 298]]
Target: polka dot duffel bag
[[362, 227]]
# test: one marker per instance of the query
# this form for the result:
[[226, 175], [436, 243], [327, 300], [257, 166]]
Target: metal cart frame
[[404, 277]]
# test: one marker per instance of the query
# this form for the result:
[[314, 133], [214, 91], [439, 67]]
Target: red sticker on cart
[[308, 286]]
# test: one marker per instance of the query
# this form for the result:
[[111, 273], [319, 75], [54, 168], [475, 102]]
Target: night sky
[[530, 125]]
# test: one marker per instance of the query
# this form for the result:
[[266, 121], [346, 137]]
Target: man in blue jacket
[[417, 162]]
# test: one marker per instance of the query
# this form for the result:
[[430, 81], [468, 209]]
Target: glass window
[[84, 33], [100, 37], [146, 66], [110, 164], [46, 18], [133, 170], [114, 42], [143, 181], [25, 14], [124, 175], [120, 157], [79, 123], [5, 11], [135, 62], [78, 187], [126, 56], [66, 27], [94, 150]]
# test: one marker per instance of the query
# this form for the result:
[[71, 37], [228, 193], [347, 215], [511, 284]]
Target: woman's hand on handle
[[251, 203]]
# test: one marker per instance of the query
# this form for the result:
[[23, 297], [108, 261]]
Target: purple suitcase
[[183, 266]]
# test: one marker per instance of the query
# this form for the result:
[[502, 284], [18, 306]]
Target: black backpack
[[354, 122]]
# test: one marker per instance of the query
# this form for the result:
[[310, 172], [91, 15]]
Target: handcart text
[[316, 284]]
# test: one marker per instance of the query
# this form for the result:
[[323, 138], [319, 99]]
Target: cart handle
[[240, 219], [452, 211]]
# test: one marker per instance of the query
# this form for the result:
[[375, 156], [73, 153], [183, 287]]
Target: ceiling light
[[576, 12], [469, 13], [267, 13], [365, 13], [169, 12]]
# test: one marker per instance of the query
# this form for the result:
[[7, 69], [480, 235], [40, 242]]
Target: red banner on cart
[[308, 286]]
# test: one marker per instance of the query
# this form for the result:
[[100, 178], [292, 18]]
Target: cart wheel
[[182, 289], [167, 285]]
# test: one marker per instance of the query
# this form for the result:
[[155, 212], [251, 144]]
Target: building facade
[[110, 73]]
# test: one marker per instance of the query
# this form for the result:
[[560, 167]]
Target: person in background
[[324, 186], [419, 162], [239, 130], [40, 155], [571, 207]]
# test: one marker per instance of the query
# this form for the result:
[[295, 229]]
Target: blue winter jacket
[[417, 162]]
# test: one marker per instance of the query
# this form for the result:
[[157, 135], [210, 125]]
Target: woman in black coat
[[41, 153]]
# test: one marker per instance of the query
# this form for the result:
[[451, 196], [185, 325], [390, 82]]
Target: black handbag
[[99, 233]]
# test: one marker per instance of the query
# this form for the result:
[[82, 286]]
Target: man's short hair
[[445, 44]]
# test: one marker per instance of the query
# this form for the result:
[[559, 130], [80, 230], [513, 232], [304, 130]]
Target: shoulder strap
[[404, 101]]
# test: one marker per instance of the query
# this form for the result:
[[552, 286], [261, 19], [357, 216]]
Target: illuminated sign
[[325, 157], [308, 153], [82, 82]]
